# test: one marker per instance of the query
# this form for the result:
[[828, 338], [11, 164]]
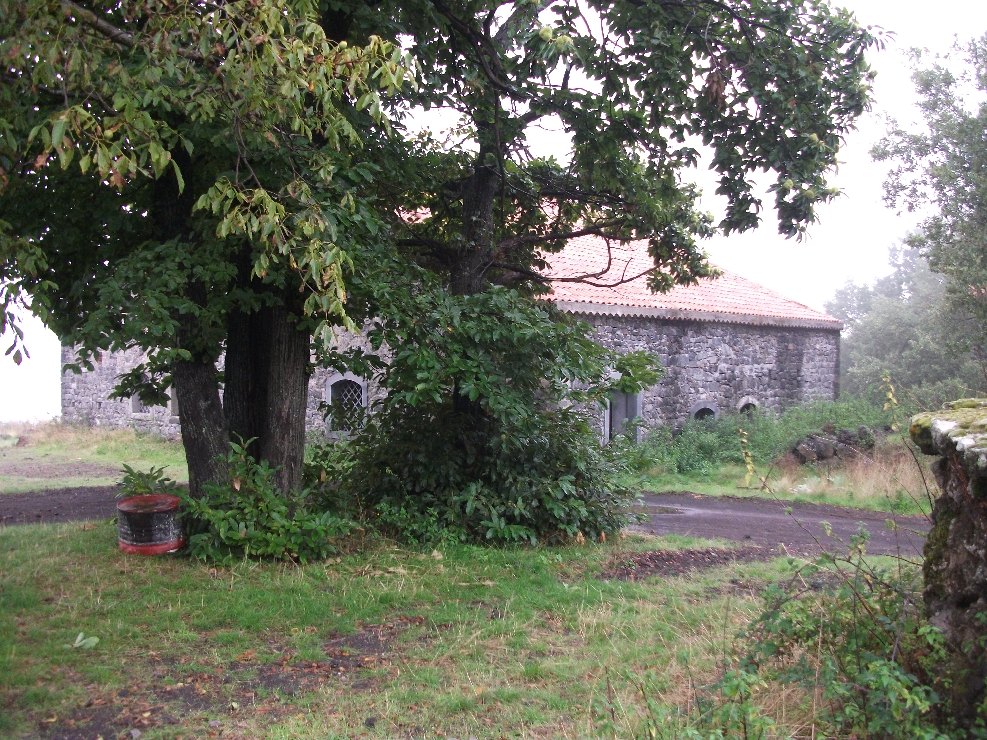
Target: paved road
[[769, 523]]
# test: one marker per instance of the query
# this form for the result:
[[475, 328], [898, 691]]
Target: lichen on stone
[[960, 427]]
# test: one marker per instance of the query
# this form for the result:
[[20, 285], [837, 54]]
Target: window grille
[[345, 405]]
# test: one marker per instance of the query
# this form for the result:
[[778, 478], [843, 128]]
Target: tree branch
[[600, 229], [114, 34], [486, 52]]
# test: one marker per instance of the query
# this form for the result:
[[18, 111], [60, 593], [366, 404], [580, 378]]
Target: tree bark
[[480, 192], [266, 396], [205, 435], [283, 443], [248, 359]]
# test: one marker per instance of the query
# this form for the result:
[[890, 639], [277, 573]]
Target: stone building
[[726, 344]]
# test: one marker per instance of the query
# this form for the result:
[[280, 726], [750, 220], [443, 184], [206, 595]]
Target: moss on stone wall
[[960, 427]]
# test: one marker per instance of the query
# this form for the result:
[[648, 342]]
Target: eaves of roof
[[683, 315]]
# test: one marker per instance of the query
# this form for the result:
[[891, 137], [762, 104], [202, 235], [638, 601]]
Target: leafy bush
[[249, 518], [857, 637], [850, 636], [545, 481], [484, 433]]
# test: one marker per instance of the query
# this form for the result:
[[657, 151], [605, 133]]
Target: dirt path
[[753, 521], [58, 505], [769, 524]]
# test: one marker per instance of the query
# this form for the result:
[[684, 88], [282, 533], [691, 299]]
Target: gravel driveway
[[799, 528]]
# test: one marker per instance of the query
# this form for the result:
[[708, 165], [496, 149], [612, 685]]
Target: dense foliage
[[903, 328], [248, 517], [485, 431]]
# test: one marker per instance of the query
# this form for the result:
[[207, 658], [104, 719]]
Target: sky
[[849, 243]]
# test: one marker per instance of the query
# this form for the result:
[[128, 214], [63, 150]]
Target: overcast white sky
[[850, 242]]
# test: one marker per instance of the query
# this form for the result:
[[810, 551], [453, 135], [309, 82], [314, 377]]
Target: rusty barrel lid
[[150, 503]]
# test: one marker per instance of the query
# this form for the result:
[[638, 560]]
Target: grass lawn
[[45, 456], [381, 641], [389, 642]]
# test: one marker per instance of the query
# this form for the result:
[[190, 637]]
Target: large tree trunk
[[266, 396], [205, 435], [283, 444], [248, 358], [204, 432], [480, 192]]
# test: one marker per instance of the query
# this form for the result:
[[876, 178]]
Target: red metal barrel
[[149, 524]]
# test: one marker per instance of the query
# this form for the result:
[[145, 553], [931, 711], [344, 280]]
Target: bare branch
[[599, 229]]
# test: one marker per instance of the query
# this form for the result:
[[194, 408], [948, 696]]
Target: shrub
[[249, 518], [546, 480], [857, 638], [851, 638], [700, 446], [483, 434]]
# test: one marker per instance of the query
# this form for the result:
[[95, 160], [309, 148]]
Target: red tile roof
[[728, 298]]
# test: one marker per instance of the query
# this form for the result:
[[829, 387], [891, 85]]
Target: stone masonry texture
[[711, 364], [725, 365]]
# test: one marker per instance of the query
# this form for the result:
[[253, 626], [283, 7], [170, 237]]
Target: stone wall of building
[[709, 365], [724, 367], [86, 395]]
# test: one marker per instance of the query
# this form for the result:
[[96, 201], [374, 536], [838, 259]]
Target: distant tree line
[[925, 325]]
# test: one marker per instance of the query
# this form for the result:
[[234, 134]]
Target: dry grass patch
[[890, 478]]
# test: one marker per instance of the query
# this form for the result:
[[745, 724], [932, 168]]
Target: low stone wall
[[955, 568], [725, 366]]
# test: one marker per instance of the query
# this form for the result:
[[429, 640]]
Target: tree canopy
[[206, 179], [186, 178], [942, 170], [901, 328], [638, 89]]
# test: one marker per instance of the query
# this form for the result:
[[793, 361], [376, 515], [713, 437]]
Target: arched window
[[346, 399], [747, 405], [704, 410]]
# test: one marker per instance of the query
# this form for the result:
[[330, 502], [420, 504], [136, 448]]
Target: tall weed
[[844, 640], [701, 446]]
